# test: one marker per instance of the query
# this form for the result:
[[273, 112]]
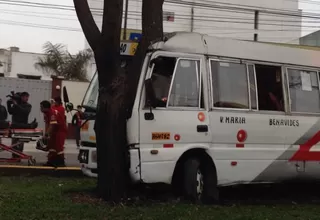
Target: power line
[[25, 24], [197, 18], [79, 30], [179, 17], [235, 7]]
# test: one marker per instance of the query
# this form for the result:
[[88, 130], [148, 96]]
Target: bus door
[[304, 105], [180, 118]]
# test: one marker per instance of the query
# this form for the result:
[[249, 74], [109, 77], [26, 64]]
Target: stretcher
[[22, 136]]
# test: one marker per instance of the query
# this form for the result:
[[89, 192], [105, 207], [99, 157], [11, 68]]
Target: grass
[[48, 198]]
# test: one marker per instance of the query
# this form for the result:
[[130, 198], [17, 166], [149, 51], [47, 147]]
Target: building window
[[230, 85], [186, 84], [168, 16], [304, 91]]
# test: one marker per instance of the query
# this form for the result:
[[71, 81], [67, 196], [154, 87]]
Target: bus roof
[[186, 42]]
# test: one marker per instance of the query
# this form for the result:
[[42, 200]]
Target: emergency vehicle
[[212, 112]]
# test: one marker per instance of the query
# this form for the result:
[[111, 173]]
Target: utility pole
[[192, 19], [256, 25], [125, 21]]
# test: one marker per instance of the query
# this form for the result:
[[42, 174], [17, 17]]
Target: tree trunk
[[110, 124], [110, 121], [110, 128]]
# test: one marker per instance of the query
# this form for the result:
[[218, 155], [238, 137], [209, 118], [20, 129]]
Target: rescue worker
[[3, 114], [58, 105], [20, 111], [55, 134], [77, 122]]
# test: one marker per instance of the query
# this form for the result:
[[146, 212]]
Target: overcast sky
[[15, 24]]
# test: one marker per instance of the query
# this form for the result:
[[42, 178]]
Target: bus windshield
[[90, 100]]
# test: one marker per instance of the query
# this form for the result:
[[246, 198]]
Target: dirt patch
[[85, 198]]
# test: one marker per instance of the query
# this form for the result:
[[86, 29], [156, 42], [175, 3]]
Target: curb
[[16, 170]]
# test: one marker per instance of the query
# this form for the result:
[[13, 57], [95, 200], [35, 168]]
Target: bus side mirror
[[151, 99], [65, 95], [152, 62], [68, 106], [150, 94]]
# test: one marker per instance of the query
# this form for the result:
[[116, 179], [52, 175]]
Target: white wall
[[76, 92], [221, 22], [23, 63], [4, 61]]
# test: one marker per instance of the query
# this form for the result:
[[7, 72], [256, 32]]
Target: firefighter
[[56, 131], [58, 105]]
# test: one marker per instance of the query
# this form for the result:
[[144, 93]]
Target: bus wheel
[[200, 182]]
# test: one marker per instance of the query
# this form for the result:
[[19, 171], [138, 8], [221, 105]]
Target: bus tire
[[200, 182]]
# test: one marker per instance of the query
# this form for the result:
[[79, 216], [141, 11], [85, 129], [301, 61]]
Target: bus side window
[[269, 83], [161, 78], [186, 84], [304, 91], [230, 85]]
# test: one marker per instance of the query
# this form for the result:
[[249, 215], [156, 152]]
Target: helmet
[[42, 144]]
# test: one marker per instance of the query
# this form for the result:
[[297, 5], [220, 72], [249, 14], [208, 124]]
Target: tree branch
[[152, 29], [111, 28], [152, 20], [89, 26]]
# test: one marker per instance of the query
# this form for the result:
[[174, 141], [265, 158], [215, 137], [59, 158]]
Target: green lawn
[[50, 198]]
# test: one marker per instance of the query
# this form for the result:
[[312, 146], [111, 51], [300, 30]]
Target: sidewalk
[[71, 153]]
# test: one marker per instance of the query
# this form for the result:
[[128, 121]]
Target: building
[[312, 39], [228, 18], [16, 63]]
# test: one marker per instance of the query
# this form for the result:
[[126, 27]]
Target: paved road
[[71, 153]]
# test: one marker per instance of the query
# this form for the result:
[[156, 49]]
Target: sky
[[15, 22]]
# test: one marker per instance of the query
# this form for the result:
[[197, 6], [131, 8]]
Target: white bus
[[212, 112]]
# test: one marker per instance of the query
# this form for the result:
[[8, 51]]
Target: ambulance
[[212, 112]]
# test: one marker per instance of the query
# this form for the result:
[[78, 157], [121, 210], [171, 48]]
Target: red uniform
[[58, 135], [60, 109], [78, 115]]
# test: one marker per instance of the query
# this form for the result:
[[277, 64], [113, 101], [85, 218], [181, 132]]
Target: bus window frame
[[251, 62], [255, 83], [300, 68], [228, 60], [198, 82], [178, 56]]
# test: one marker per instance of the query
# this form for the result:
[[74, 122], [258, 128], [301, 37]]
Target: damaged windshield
[[91, 98], [90, 101]]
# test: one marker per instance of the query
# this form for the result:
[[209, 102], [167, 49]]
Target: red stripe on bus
[[304, 154], [168, 146], [240, 145]]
